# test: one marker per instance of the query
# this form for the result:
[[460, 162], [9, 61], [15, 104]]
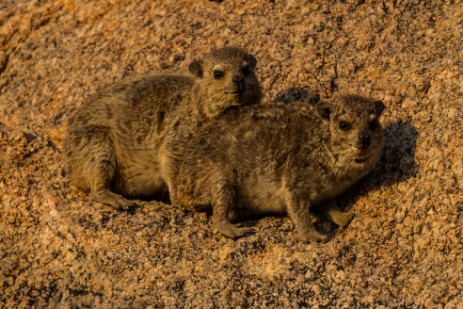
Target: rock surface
[[404, 248]]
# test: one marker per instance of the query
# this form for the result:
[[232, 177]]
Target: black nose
[[239, 81], [365, 139]]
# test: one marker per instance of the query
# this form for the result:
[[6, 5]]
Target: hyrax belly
[[261, 197], [139, 173]]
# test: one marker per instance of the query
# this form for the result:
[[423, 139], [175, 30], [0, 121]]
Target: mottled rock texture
[[403, 249]]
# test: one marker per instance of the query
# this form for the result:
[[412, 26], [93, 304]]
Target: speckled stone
[[404, 248]]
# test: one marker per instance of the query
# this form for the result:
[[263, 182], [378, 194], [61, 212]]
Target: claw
[[315, 237], [230, 231]]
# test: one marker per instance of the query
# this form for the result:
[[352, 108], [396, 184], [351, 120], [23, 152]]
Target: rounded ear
[[379, 107], [324, 110], [252, 61], [196, 68]]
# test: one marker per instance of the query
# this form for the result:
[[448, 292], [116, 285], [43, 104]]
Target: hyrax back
[[279, 158], [112, 143]]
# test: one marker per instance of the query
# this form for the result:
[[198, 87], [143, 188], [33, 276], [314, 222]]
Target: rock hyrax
[[278, 158], [112, 143]]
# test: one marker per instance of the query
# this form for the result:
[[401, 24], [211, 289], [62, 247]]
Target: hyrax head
[[226, 78], [354, 127]]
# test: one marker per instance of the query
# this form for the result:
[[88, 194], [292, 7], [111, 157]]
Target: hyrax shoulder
[[283, 158], [113, 140]]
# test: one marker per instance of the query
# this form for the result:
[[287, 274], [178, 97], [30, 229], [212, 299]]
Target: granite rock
[[404, 248]]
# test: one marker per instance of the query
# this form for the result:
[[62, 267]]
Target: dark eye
[[373, 124], [344, 125], [246, 70], [218, 74]]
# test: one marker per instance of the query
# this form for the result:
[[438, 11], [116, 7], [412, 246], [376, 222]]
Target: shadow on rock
[[397, 162], [398, 159], [162, 197], [297, 95]]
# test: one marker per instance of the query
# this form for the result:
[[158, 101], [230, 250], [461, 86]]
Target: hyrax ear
[[196, 68], [379, 107], [252, 61], [324, 110]]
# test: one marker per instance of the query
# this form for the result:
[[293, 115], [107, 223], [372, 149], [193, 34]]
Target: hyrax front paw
[[314, 237], [129, 206], [230, 231], [115, 200]]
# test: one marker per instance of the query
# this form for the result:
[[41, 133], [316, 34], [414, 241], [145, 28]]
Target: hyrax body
[[277, 158], [112, 144]]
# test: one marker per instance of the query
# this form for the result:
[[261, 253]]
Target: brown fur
[[276, 158], [112, 143]]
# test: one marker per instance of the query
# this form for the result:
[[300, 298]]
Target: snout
[[237, 85], [238, 82], [363, 140]]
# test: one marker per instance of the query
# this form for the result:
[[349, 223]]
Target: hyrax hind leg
[[337, 216], [91, 160]]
